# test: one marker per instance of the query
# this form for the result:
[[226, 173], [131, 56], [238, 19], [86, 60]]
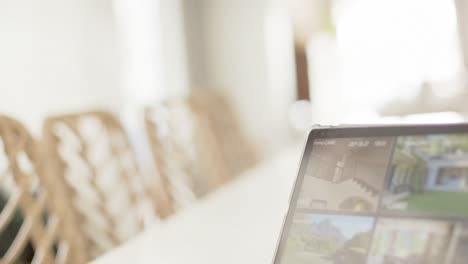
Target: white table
[[239, 223]]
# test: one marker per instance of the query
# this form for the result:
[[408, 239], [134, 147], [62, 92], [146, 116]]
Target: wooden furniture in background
[[237, 152], [185, 150], [302, 72], [30, 229], [90, 157], [308, 19]]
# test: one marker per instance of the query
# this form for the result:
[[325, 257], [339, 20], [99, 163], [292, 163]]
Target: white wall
[[139, 32], [174, 53], [61, 56], [230, 44], [56, 56], [462, 17]]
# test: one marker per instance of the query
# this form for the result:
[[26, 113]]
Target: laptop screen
[[381, 200]]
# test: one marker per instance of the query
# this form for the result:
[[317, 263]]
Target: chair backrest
[[90, 156], [186, 153], [30, 229], [238, 153]]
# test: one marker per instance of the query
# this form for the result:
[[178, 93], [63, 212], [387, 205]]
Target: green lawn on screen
[[440, 203]]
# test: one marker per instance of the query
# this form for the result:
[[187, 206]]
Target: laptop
[[380, 195]]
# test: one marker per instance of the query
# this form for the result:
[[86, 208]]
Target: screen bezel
[[352, 132]]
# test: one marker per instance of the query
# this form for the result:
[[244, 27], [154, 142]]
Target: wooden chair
[[30, 229], [238, 153], [91, 158], [185, 151]]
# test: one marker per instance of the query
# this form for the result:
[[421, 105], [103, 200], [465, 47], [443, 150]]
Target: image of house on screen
[[328, 239], [447, 172], [397, 241], [346, 174], [427, 179]]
